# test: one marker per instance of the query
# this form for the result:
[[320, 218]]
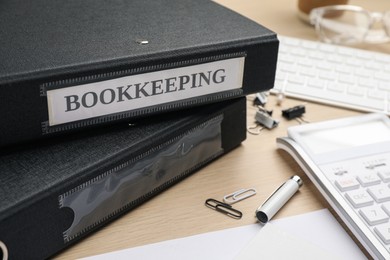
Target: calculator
[[348, 160]]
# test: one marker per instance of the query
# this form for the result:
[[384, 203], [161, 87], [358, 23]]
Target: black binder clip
[[260, 99], [269, 112], [223, 208], [295, 113], [266, 120], [263, 119]]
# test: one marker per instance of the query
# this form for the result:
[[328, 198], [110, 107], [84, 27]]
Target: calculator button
[[380, 193], [383, 231], [374, 215], [368, 179], [347, 183], [386, 207], [359, 198], [385, 175]]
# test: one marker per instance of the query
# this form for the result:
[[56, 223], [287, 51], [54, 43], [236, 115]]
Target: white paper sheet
[[319, 227], [274, 243]]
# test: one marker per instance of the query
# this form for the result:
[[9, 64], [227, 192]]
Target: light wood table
[[180, 210]]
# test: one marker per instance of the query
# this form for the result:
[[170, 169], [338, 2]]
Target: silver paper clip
[[239, 195], [223, 208]]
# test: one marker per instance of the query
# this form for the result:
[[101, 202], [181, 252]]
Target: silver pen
[[278, 198]]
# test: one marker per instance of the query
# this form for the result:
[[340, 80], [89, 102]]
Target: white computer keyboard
[[334, 75]]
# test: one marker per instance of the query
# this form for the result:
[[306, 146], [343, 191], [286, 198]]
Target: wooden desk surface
[[180, 210]]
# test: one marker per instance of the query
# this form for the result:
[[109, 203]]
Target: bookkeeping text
[[145, 89], [143, 93]]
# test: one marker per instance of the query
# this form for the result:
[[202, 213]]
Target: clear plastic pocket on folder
[[131, 183]]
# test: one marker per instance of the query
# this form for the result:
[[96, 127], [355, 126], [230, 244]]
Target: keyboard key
[[359, 198], [372, 65], [368, 82], [309, 72], [287, 58], [315, 83], [363, 73], [325, 65], [327, 75], [338, 87], [376, 94], [338, 60], [354, 62], [347, 183], [350, 79], [287, 67], [382, 58], [383, 232], [310, 45], [383, 85], [364, 55], [328, 48], [346, 51], [382, 76], [305, 62], [296, 79], [357, 91], [299, 52], [374, 215], [315, 54]]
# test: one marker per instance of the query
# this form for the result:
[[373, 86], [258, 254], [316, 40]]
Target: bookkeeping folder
[[70, 65], [57, 193]]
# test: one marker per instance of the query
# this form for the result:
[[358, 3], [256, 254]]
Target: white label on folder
[[140, 91]]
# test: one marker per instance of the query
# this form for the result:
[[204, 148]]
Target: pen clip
[[223, 208], [295, 178], [273, 193], [239, 195]]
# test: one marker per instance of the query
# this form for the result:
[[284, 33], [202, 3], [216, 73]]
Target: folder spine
[[138, 70]]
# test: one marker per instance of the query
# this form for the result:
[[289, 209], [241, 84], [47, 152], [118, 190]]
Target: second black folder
[[55, 194]]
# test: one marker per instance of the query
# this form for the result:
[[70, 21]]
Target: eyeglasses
[[348, 24]]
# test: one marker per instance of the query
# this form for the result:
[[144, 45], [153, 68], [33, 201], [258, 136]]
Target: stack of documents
[[81, 85]]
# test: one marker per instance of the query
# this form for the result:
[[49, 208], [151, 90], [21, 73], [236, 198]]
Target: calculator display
[[343, 137]]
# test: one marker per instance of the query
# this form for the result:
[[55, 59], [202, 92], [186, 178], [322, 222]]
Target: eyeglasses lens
[[386, 22], [343, 26]]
